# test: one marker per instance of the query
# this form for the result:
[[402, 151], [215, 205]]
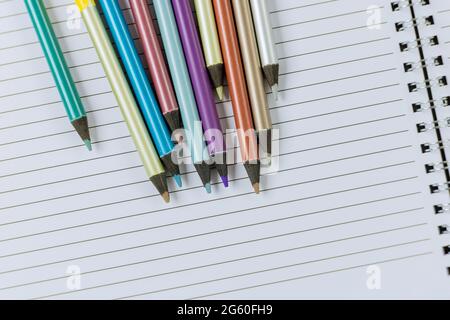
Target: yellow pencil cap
[[83, 4]]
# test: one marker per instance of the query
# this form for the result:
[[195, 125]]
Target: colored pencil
[[140, 83], [183, 89], [211, 44], [127, 104], [156, 63], [238, 90], [58, 66], [253, 73], [266, 45], [201, 85]]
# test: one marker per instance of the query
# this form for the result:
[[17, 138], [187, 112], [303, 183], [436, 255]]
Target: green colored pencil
[[58, 66], [124, 95]]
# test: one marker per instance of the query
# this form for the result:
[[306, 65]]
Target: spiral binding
[[426, 21], [402, 4], [432, 104], [425, 127], [442, 208], [444, 229], [418, 43], [438, 82], [435, 167], [433, 62], [432, 147], [428, 105]]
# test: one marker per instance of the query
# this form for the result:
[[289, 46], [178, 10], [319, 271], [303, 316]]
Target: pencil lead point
[[225, 181], [271, 72], [166, 197], [160, 183], [208, 188], [253, 171], [265, 142], [275, 91], [222, 168], [204, 172], [256, 188], [88, 144], [82, 128], [178, 181], [217, 73], [220, 93]]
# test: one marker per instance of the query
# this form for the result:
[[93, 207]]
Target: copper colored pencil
[[238, 89]]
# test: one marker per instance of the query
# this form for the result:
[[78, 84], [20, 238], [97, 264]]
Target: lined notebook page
[[350, 191]]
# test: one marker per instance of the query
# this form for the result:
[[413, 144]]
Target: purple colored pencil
[[202, 85]]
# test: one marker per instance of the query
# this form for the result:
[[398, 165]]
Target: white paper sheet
[[348, 215]]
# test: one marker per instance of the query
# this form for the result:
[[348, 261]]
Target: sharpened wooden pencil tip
[[166, 197], [173, 120], [88, 144], [275, 91], [271, 72], [221, 166], [253, 172], [220, 93], [265, 143], [171, 167], [204, 172], [160, 183], [217, 74], [82, 128], [256, 188]]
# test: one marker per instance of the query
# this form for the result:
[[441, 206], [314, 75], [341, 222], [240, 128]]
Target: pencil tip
[[217, 73], [88, 144], [166, 197], [265, 143], [220, 93], [221, 166], [253, 171], [271, 73], [173, 120], [178, 180], [204, 172], [82, 128], [170, 164], [208, 188], [256, 188], [160, 183], [275, 91], [225, 181]]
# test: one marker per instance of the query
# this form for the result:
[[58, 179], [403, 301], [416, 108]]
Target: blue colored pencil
[[183, 88], [141, 85]]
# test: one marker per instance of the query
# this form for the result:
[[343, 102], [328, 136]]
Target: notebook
[[352, 211]]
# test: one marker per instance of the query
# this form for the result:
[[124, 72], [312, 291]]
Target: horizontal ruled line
[[315, 275], [211, 248], [235, 260]]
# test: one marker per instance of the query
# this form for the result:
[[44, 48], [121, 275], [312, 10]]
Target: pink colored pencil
[[157, 65]]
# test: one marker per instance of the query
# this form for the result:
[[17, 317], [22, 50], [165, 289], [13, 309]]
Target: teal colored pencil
[[58, 66], [183, 88]]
